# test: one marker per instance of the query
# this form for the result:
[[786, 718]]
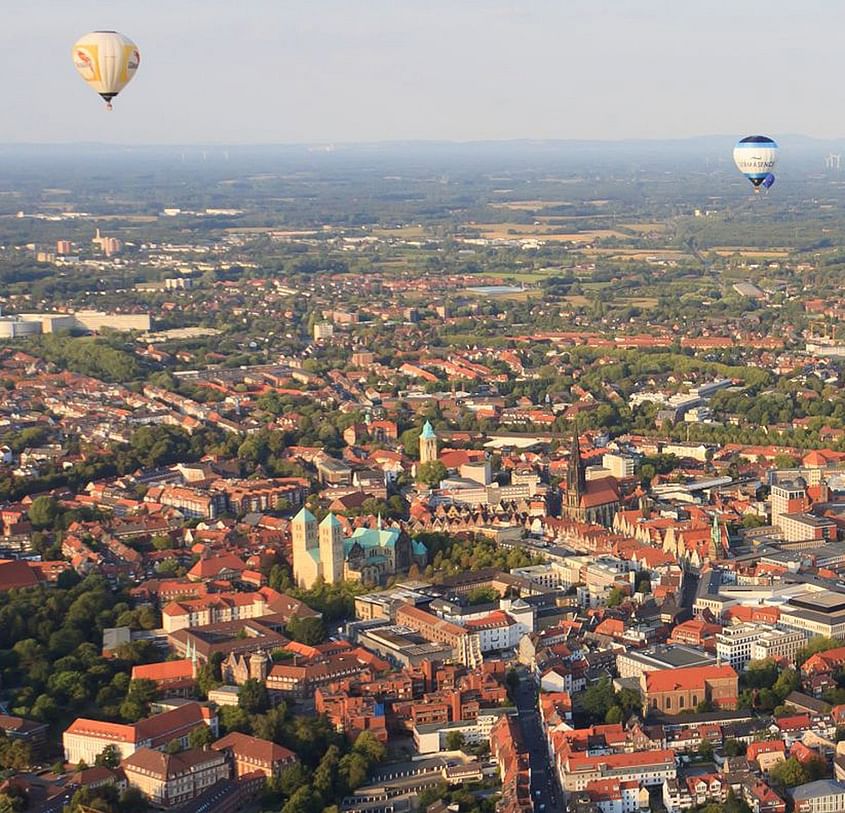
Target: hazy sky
[[273, 71]]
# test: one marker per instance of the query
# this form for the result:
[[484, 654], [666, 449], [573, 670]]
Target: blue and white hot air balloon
[[755, 157]]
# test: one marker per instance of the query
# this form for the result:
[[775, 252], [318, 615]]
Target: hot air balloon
[[755, 158], [107, 61]]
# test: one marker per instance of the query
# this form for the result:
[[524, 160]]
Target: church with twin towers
[[323, 552]]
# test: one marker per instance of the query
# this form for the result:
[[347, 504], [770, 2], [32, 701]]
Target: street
[[544, 790]]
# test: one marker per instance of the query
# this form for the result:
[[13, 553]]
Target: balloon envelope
[[106, 61], [755, 157]]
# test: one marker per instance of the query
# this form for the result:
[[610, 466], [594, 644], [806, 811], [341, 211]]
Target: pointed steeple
[[715, 536], [576, 481]]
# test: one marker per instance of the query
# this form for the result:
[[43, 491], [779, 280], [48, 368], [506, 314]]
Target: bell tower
[[428, 444]]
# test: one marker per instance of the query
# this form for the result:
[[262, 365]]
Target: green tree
[[597, 699], [173, 747], [109, 757], [788, 774], [370, 748], [10, 803], [326, 774], [293, 778], [482, 595], [304, 800], [206, 680], [309, 631], [432, 473], [616, 596], [137, 703], [200, 737], [786, 683], [614, 715], [270, 726], [161, 542], [132, 801], [43, 512], [252, 697], [454, 741], [234, 718], [353, 769]]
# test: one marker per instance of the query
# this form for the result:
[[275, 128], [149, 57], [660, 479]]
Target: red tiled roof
[[165, 670], [253, 749], [691, 677]]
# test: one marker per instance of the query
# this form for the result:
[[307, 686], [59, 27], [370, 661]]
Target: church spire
[[576, 480]]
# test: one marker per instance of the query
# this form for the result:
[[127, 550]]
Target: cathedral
[[594, 501], [369, 555]]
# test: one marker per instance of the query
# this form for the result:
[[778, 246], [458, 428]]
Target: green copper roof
[[330, 520], [304, 516], [428, 432]]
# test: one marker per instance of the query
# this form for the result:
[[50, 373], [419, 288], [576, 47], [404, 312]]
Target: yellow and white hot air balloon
[[107, 61]]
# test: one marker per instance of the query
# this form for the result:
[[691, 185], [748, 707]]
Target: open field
[[516, 296], [643, 227], [529, 205], [522, 231], [637, 254], [763, 254], [405, 232], [644, 302]]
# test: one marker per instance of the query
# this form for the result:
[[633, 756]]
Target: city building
[[171, 780], [734, 644], [250, 754], [788, 497], [466, 645], [673, 691], [646, 768], [323, 330], [85, 739], [778, 645], [620, 466], [822, 796]]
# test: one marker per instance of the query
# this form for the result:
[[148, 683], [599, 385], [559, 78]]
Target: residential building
[[577, 770]]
